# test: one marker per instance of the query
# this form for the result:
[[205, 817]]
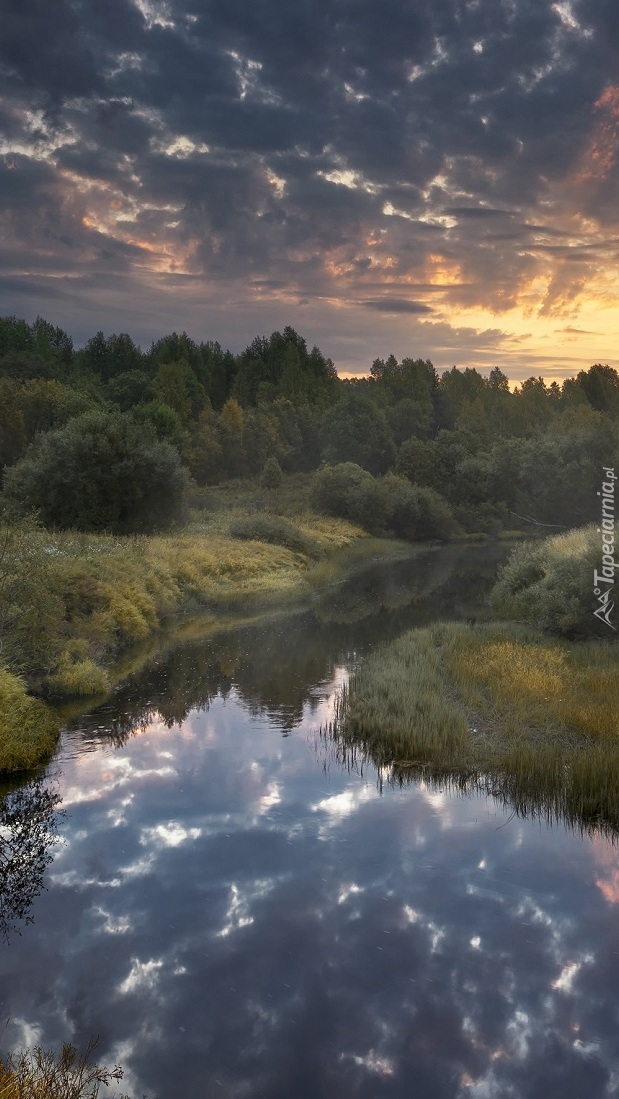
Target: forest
[[140, 485], [112, 437]]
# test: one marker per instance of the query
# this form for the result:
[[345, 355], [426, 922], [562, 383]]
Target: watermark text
[[604, 580]]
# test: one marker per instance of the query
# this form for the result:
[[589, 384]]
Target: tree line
[[109, 436]]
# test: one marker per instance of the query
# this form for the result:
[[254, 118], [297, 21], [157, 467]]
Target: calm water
[[236, 914]]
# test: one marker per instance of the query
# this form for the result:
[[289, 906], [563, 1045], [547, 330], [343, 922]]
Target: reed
[[28, 728], [493, 706], [41, 1074]]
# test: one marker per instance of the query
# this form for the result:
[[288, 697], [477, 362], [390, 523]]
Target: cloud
[[395, 305], [327, 153]]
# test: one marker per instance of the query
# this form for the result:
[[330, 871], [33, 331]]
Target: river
[[237, 912]]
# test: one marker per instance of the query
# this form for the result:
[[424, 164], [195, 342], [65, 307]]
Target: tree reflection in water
[[28, 822]]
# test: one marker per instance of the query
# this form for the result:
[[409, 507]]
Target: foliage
[[28, 728], [528, 718], [176, 385], [382, 504], [101, 472], [41, 1074], [28, 821], [271, 476], [355, 430], [277, 532], [472, 439], [550, 585], [337, 488]]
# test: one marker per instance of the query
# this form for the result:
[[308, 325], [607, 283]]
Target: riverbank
[[87, 600], [497, 704]]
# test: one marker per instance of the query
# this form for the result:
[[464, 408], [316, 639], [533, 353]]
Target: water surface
[[235, 913]]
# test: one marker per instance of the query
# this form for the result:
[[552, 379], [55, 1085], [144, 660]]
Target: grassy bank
[[28, 728], [532, 718], [73, 604]]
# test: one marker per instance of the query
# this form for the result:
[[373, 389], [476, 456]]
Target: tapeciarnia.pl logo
[[604, 581]]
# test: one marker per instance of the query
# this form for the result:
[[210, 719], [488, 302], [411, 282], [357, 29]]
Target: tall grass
[[71, 603], [40, 1074], [28, 728], [531, 719]]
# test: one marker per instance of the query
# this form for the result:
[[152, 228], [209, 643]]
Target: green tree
[[132, 388], [12, 430], [163, 420], [202, 450], [271, 476], [107, 358], [101, 472], [176, 385], [231, 425], [354, 430], [600, 385]]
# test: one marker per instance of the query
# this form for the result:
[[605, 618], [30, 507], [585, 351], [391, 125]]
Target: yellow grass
[[105, 593], [28, 728], [533, 719], [527, 681]]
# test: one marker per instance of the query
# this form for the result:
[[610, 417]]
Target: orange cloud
[[600, 157]]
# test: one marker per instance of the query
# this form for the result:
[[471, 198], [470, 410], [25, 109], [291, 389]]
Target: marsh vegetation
[[495, 706]]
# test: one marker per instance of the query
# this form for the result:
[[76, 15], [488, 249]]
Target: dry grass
[[524, 681], [40, 1074], [533, 719], [28, 729], [105, 595]]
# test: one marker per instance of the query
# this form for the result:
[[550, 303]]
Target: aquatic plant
[[497, 706]]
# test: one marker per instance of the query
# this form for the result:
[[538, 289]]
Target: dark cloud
[[322, 146], [394, 305]]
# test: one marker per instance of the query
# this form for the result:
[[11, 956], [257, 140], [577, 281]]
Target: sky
[[433, 178]]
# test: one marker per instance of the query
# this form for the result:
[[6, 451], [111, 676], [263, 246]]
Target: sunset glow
[[428, 180]]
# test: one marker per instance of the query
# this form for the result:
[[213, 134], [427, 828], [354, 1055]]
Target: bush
[[550, 584], [335, 489], [277, 532], [102, 472], [272, 476], [436, 518], [382, 503]]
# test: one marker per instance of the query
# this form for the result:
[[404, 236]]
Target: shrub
[[550, 584], [272, 476], [436, 518], [277, 532], [335, 488], [102, 472], [382, 503]]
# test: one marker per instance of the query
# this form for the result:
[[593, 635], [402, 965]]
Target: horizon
[[145, 345], [432, 180]]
